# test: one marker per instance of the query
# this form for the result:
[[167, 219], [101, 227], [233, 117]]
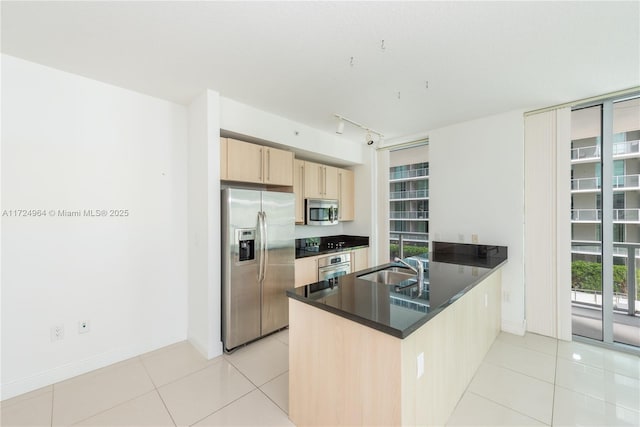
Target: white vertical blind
[[547, 241]]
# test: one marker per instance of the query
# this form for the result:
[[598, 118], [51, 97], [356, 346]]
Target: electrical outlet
[[461, 238], [83, 327], [57, 333], [474, 239], [420, 362]]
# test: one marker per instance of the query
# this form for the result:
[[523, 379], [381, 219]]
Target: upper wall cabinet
[[248, 162], [320, 181], [223, 158], [346, 195]]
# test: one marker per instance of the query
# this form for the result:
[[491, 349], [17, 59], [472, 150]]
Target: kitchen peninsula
[[371, 349]]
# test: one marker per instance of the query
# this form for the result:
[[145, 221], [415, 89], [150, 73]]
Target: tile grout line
[[222, 407], [166, 407], [269, 397], [527, 347], [508, 407], [155, 386], [555, 376], [515, 371]]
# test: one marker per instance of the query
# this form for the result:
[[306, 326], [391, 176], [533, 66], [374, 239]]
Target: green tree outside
[[588, 275]]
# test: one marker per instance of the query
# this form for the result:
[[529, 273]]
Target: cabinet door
[[313, 180], [306, 271], [346, 201], [244, 161], [359, 259], [298, 189], [223, 158], [278, 166], [330, 183]]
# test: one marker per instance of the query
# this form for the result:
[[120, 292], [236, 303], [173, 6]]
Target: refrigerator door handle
[[262, 267], [265, 247], [260, 251]]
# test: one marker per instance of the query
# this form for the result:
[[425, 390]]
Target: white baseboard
[[75, 368], [516, 328]]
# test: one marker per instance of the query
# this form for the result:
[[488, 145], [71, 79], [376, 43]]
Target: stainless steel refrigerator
[[258, 254]]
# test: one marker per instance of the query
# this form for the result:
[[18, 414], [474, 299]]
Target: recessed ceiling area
[[400, 68]]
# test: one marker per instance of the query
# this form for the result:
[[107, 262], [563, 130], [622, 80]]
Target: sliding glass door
[[605, 220]]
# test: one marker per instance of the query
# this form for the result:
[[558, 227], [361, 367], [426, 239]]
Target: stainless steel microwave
[[321, 212]]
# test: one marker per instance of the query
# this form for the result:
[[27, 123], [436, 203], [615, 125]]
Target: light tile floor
[[530, 380]]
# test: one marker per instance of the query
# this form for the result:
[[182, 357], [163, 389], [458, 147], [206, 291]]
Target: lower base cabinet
[[345, 373]]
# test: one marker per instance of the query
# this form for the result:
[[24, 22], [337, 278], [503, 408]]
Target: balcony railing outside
[[593, 151], [627, 215], [584, 153], [626, 181], [587, 215], [626, 147], [595, 215], [625, 250], [414, 194], [409, 215], [412, 236], [585, 184], [412, 173]]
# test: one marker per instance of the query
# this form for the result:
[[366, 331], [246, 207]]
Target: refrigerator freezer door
[[279, 213], [241, 294]]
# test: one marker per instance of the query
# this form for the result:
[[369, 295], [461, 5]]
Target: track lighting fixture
[[368, 138]]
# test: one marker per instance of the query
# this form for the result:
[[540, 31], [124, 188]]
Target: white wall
[[204, 225], [70, 143], [247, 120], [476, 187]]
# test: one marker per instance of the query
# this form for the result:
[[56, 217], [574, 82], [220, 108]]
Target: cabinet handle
[[320, 180], [261, 165], [339, 195], [324, 181], [268, 165]]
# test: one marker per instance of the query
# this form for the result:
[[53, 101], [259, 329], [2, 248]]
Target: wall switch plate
[[420, 362], [57, 333], [83, 327]]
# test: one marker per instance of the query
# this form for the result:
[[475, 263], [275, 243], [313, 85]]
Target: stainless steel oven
[[331, 267]]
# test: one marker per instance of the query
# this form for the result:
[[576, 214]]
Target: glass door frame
[[606, 224]]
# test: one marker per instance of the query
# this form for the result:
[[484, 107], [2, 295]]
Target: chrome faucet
[[419, 271]]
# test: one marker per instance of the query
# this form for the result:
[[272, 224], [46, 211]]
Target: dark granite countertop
[[313, 246], [451, 271]]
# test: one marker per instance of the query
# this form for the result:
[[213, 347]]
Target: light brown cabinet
[[359, 259], [298, 189], [306, 271], [254, 163], [223, 158], [320, 181], [346, 194]]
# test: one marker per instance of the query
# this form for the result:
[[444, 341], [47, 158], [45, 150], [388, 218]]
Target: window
[[409, 205], [604, 287]]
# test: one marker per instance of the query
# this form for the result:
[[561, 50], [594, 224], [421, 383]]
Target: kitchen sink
[[389, 276]]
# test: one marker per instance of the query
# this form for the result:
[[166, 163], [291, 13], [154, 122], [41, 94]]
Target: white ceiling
[[294, 58]]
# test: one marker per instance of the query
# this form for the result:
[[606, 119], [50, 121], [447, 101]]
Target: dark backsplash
[[311, 246], [469, 254]]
